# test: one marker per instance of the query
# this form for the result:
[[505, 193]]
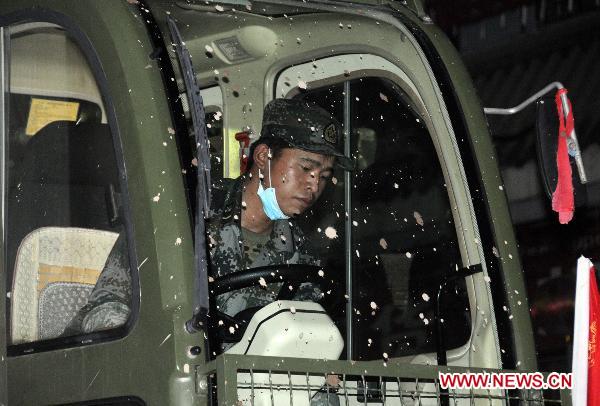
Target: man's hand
[[333, 380]]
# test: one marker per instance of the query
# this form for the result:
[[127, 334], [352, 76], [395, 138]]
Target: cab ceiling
[[221, 38]]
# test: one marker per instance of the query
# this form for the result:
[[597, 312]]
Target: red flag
[[593, 384], [563, 201], [586, 337]]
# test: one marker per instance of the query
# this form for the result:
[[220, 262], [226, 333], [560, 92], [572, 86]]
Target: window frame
[[79, 38], [378, 66]]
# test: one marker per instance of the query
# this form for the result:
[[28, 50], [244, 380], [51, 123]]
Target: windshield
[[401, 241]]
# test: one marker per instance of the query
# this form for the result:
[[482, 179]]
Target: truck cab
[[419, 268]]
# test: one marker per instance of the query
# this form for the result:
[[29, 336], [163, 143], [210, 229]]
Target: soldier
[[250, 226], [252, 220], [108, 305]]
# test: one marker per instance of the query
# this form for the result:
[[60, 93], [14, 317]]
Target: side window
[[65, 246], [403, 238]]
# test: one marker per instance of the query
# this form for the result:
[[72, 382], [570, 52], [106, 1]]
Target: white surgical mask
[[269, 199]]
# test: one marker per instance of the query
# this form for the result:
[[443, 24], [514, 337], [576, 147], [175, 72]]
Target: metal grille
[[269, 381]]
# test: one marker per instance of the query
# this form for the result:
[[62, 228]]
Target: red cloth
[[593, 392], [563, 201]]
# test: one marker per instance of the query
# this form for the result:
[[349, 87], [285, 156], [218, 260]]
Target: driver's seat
[[286, 329]]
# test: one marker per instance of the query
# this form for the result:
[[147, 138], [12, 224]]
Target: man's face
[[299, 178]]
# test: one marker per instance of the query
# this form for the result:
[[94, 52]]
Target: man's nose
[[313, 182]]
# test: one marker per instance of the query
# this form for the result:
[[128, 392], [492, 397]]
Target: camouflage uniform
[[229, 252], [109, 303]]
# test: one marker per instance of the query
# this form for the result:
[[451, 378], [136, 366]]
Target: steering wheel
[[292, 275]]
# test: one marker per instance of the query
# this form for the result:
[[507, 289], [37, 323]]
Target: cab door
[[61, 231], [91, 182]]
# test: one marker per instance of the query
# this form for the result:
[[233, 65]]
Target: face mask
[[268, 198]]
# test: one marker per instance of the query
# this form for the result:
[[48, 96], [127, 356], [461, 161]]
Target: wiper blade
[[197, 112], [201, 304]]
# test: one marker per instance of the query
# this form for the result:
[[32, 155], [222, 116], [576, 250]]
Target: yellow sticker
[[44, 111], [55, 273]]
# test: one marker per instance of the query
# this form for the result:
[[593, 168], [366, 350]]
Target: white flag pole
[[581, 331]]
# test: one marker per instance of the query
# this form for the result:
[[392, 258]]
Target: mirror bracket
[[572, 143]]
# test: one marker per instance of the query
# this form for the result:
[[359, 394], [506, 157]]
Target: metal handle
[[527, 102]]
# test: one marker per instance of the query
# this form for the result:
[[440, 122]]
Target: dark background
[[512, 49]]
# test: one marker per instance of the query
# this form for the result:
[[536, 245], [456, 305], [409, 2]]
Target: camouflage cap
[[306, 126]]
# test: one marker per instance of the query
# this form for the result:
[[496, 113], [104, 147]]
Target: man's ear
[[261, 156]]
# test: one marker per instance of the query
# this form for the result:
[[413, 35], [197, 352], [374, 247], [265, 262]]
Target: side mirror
[[547, 128], [549, 121]]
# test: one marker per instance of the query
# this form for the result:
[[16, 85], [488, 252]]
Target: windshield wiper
[[201, 301]]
